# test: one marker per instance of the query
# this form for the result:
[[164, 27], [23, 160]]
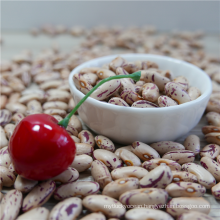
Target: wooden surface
[[16, 42]]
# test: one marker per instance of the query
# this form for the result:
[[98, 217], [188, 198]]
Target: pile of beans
[[156, 88], [161, 174]]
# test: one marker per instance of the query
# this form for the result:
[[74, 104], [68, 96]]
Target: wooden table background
[[15, 42]]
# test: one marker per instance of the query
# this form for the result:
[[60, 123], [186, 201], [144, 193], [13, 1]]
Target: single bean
[[104, 143], [150, 92], [24, 185], [129, 158], [159, 177], [34, 106], [216, 191], [142, 213], [122, 71], [163, 147], [153, 163], [130, 97], [144, 104], [71, 105], [5, 159], [117, 152], [9, 129], [79, 189], [210, 129], [3, 101], [5, 117], [213, 118], [53, 84], [12, 169], [56, 105], [210, 150], [29, 97], [54, 111], [42, 77], [76, 139], [194, 93], [6, 90], [10, 205], [7, 178], [82, 148], [118, 101], [165, 101], [86, 137], [82, 162], [14, 97], [38, 213], [130, 171], [104, 73], [205, 178], [3, 139], [89, 70], [194, 215], [38, 195], [213, 138], [192, 143], [186, 203], [144, 151], [68, 209], [108, 158], [183, 176], [16, 107], [100, 173], [58, 118], [58, 95], [117, 62], [94, 216], [167, 73], [213, 106], [145, 196], [183, 81], [17, 117], [116, 188], [131, 67], [97, 203], [91, 78]]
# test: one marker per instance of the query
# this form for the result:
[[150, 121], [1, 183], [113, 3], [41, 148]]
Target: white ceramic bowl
[[125, 125]]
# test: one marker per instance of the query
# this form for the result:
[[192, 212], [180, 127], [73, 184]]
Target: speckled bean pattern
[[16, 107], [81, 162], [127, 84], [117, 152], [159, 177], [81, 83], [213, 118], [144, 151], [163, 147], [54, 111], [94, 216], [194, 93], [117, 62], [183, 81], [82, 148], [86, 137], [10, 205], [145, 196], [144, 104], [129, 158], [38, 195], [185, 189], [17, 117], [100, 173], [97, 203], [5, 117], [68, 209], [7, 177], [165, 101], [33, 106], [129, 171], [180, 156], [3, 139], [116, 188], [55, 104], [213, 138], [183, 176], [213, 106], [130, 97], [24, 185], [205, 178], [195, 216], [210, 129], [40, 213], [118, 101], [104, 143], [187, 202], [216, 191], [210, 150], [192, 143], [142, 213], [5, 159], [79, 189], [151, 164], [150, 92], [9, 129], [91, 78], [111, 160]]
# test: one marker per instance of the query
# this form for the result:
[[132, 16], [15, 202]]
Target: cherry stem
[[135, 76]]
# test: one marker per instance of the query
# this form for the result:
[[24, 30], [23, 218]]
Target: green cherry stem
[[135, 76]]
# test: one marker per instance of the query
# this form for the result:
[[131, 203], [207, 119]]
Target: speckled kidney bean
[[177, 93], [38, 195], [7, 177], [5, 159], [117, 62], [212, 166], [94, 216], [24, 185], [111, 160], [150, 92], [82, 162], [91, 78], [151, 164], [144, 104], [116, 188], [53, 84], [130, 171], [82, 148], [144, 151], [210, 150], [185, 189], [212, 106], [122, 71], [58, 118], [67, 176], [12, 169], [76, 189], [165, 101], [104, 73], [145, 196], [100, 173], [194, 93], [3, 101], [183, 176], [3, 139], [213, 138], [129, 158], [5, 117], [216, 191], [14, 97], [192, 143], [54, 111], [9, 129], [178, 206], [33, 96], [17, 117], [205, 178], [213, 118], [105, 204], [75, 123], [194, 215], [89, 70], [183, 81], [10, 205], [130, 97], [55, 104], [142, 213], [163, 147], [152, 76], [16, 107], [159, 177], [68, 209], [104, 143], [132, 67], [118, 101], [81, 83], [180, 156], [58, 95], [86, 137], [117, 152], [38, 213], [72, 130], [33, 107], [210, 129]]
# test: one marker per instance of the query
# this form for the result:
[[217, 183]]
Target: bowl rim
[[106, 105]]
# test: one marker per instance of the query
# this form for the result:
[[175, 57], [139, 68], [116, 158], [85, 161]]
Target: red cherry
[[41, 149]]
